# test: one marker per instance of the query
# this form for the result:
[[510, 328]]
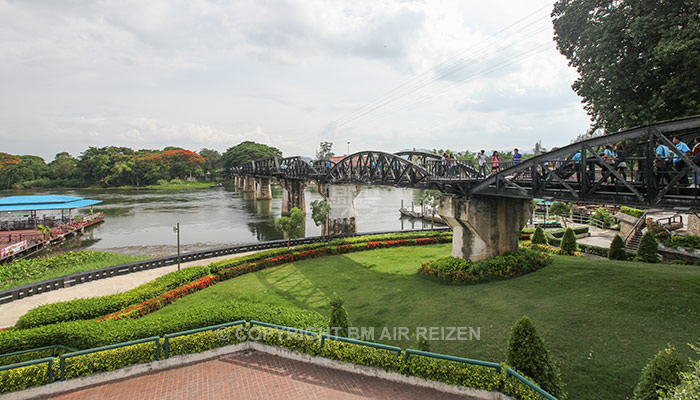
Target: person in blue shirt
[[679, 164], [609, 157], [517, 157], [662, 162]]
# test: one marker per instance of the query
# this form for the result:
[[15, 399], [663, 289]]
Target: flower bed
[[156, 303], [464, 272]]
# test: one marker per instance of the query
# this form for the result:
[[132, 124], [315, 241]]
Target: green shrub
[[560, 233], [110, 360], [453, 373], [661, 373], [25, 377], [463, 272], [527, 353], [35, 269], [568, 242], [689, 386], [95, 307], [617, 249], [207, 340], [648, 249], [604, 218], [339, 317], [687, 241], [538, 236], [635, 212]]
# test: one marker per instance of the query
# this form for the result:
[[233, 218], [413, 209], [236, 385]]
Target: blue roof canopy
[[44, 202]]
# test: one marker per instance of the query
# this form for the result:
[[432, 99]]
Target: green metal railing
[[166, 341], [55, 347], [361, 343], [49, 360], [488, 364], [510, 372], [166, 350], [63, 357]]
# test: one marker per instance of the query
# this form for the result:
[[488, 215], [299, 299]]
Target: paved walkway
[[10, 312], [255, 375]]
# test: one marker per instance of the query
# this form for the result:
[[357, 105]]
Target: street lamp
[[176, 229], [348, 148]]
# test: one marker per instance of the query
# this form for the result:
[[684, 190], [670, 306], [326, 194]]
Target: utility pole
[[176, 229]]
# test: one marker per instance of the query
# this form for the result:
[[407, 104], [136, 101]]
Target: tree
[[568, 242], [63, 166], [648, 249], [324, 152], [528, 354], [247, 151], [212, 160], [292, 226], [340, 322], [660, 374], [538, 237], [320, 212], [431, 198], [617, 249], [561, 209], [44, 230], [637, 59]]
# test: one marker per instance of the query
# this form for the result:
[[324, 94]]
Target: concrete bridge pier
[[240, 182], [263, 189], [292, 195], [249, 184], [483, 227], [343, 216]]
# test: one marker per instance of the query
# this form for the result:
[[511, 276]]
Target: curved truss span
[[581, 172], [377, 168]]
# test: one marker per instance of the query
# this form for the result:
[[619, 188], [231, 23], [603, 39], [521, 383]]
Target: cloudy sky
[[381, 74]]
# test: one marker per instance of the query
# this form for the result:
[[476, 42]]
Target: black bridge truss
[[636, 179]]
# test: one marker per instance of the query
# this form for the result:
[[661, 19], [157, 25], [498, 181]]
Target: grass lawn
[[602, 320], [22, 272]]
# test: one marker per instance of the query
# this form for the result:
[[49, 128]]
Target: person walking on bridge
[[661, 162], [696, 160], [517, 157], [679, 164], [482, 164], [495, 163]]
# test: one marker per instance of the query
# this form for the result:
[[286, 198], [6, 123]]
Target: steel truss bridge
[[636, 179]]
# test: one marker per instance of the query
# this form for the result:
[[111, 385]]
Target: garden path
[[10, 312]]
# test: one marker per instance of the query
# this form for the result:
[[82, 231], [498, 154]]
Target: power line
[[424, 83], [441, 68]]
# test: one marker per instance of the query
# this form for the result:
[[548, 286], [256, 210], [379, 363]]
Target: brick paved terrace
[[255, 375]]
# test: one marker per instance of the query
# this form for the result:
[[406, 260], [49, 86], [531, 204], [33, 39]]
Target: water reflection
[[141, 221]]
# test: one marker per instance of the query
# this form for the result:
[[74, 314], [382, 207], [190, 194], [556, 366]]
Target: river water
[[142, 221]]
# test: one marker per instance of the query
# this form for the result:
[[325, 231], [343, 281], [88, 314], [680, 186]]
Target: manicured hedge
[[98, 307], [450, 372], [463, 272], [80, 309], [635, 212]]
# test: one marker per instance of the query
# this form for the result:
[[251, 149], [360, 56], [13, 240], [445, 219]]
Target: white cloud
[[197, 73]]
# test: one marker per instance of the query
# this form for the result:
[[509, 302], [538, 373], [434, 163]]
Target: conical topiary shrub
[[339, 317], [568, 242], [661, 373], [648, 249], [527, 354], [538, 236], [617, 249]]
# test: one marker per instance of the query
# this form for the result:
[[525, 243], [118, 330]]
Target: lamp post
[[176, 229], [348, 148]]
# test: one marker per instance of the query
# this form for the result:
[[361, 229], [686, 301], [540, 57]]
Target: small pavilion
[[32, 204]]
